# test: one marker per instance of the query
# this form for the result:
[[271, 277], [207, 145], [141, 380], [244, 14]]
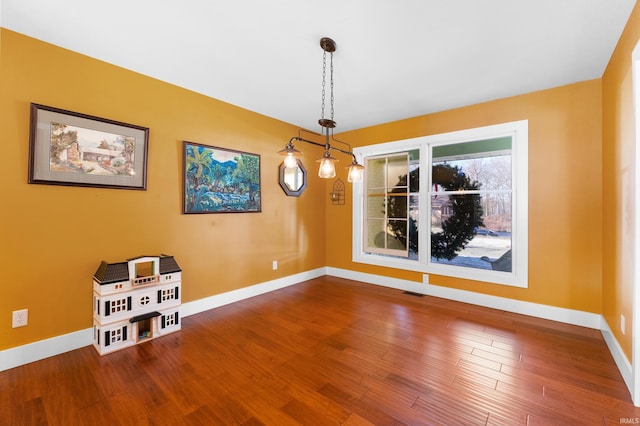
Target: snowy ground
[[481, 245]]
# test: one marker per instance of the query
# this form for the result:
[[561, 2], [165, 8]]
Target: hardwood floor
[[333, 351]]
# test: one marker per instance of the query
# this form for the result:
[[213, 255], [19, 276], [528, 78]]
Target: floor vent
[[411, 293]]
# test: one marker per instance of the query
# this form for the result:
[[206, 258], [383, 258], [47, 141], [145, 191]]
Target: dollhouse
[[135, 301]]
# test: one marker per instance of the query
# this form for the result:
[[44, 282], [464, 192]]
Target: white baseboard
[[42, 349], [201, 305], [569, 316], [31, 352], [621, 360]]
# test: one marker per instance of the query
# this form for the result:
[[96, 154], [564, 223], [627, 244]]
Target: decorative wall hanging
[[337, 192], [293, 180], [70, 148], [220, 180]]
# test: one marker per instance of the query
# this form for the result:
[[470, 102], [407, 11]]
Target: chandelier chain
[[324, 74], [331, 85], [327, 162]]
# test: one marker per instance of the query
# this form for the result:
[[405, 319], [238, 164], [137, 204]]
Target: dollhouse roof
[[108, 273], [112, 272], [145, 316], [168, 265]]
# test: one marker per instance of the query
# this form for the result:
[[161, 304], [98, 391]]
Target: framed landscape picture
[[220, 180], [70, 148]]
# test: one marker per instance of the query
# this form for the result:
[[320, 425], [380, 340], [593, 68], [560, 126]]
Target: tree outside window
[[467, 218]]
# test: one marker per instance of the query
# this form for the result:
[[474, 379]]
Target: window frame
[[518, 277], [385, 251]]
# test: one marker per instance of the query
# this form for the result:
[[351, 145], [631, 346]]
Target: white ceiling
[[394, 59]]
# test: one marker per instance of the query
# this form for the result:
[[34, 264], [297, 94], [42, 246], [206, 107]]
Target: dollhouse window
[[115, 336], [144, 273], [144, 269], [167, 294], [118, 305], [169, 320]]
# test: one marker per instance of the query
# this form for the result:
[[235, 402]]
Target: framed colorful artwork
[[220, 180], [70, 148]]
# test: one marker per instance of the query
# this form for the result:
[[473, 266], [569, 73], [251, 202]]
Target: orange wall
[[619, 172], [54, 237], [565, 193], [48, 257]]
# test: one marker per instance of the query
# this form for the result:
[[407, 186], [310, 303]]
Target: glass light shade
[[290, 161], [355, 172], [290, 156], [327, 168]]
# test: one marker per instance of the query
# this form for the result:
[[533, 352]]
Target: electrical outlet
[[20, 318], [275, 265], [622, 324]]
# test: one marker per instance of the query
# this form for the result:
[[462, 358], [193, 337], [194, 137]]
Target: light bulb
[[327, 169], [355, 173], [290, 161]]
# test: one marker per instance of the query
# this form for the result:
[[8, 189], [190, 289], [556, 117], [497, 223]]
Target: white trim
[[519, 132], [42, 349], [46, 348], [634, 383], [621, 360], [31, 352], [211, 302], [553, 313], [569, 316]]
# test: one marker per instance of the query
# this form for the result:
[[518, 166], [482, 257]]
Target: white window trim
[[388, 251], [519, 276]]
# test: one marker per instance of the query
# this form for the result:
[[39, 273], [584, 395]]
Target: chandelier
[[327, 168]]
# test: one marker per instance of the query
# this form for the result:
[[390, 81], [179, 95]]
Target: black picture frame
[[220, 180], [75, 149]]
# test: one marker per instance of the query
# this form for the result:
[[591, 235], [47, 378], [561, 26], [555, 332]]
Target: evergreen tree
[[458, 229]]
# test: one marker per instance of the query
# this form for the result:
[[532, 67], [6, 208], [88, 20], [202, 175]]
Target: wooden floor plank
[[331, 351]]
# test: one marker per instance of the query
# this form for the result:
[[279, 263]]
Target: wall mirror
[[293, 181]]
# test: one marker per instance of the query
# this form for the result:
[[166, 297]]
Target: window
[[117, 335], [169, 320], [391, 198], [167, 294], [467, 219], [145, 273], [117, 305]]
